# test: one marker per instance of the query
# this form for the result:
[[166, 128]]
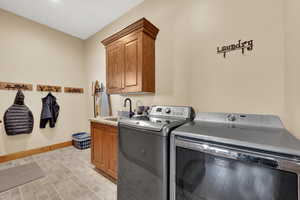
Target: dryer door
[[205, 171]]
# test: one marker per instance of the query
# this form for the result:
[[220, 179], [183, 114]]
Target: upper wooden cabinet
[[130, 59]]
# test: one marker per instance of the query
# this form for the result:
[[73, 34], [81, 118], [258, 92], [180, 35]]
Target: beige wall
[[33, 53], [253, 83], [292, 72], [188, 70]]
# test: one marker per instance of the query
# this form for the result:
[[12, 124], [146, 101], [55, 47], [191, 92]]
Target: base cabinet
[[104, 148]]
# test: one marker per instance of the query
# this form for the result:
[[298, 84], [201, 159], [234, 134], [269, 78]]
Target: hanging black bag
[[18, 119]]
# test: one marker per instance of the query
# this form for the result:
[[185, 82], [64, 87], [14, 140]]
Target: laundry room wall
[[35, 54], [188, 69], [292, 81], [249, 83]]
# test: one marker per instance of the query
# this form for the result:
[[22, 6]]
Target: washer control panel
[[171, 111]]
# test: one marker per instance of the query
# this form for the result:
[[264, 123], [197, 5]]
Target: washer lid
[[263, 132], [141, 124], [151, 123]]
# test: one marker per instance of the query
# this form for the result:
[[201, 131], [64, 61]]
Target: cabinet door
[[98, 148], [132, 69], [115, 68], [111, 153]]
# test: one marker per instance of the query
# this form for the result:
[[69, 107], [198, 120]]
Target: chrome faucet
[[130, 106]]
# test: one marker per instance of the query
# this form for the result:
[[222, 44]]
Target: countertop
[[105, 120]]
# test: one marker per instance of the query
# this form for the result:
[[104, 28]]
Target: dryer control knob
[[168, 110], [231, 117]]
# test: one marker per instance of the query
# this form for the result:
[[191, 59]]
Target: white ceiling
[[80, 18]]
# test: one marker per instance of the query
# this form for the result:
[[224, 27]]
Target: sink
[[114, 119]]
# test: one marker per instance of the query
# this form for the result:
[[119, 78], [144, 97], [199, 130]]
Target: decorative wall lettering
[[15, 86], [239, 46], [48, 88], [73, 90]]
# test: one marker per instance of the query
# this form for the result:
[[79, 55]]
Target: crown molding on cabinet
[[142, 24]]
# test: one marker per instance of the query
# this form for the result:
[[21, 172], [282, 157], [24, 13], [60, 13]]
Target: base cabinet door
[[111, 153], [98, 148], [105, 148]]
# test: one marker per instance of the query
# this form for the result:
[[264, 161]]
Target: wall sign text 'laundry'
[[238, 46]]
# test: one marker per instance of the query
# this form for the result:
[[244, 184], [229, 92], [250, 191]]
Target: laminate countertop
[[112, 120]]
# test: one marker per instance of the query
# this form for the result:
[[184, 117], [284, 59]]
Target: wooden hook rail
[[15, 86], [48, 88], [40, 88], [73, 90]]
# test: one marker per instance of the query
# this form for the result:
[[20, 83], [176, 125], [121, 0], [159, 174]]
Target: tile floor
[[69, 176]]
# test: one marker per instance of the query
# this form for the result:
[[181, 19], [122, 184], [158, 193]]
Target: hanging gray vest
[[18, 119]]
